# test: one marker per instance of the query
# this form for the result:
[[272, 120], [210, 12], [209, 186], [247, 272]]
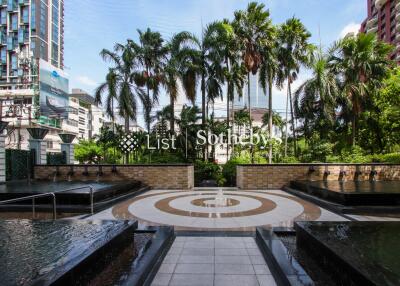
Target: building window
[[43, 51], [14, 63], [43, 19], [49, 144], [14, 22], [33, 15]]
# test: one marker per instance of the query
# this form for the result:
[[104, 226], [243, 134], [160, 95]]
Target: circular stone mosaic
[[230, 209]]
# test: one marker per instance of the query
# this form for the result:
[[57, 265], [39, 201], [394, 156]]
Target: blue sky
[[91, 25]]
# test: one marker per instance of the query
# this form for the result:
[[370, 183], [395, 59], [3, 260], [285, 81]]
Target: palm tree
[[188, 126], [180, 67], [361, 62], [315, 100], [276, 120], [118, 85], [252, 28], [294, 52], [151, 54], [268, 75]]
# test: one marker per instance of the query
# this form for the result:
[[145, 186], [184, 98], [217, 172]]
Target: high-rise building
[[258, 98], [384, 20], [33, 87]]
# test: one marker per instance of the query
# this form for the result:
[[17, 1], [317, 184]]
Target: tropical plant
[[315, 100], [151, 54], [88, 152], [181, 66], [119, 86], [253, 28], [360, 62], [294, 51]]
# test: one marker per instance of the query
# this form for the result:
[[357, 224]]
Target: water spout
[[86, 172], [357, 175], [372, 175], [70, 174], [99, 173], [342, 175], [55, 174]]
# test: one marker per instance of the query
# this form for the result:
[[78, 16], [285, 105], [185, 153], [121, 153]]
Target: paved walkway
[[219, 261]]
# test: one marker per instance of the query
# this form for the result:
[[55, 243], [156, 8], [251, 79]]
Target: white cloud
[[86, 81], [350, 28]]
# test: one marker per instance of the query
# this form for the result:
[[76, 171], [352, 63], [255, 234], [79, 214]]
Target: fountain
[[220, 199], [114, 169], [342, 175], [70, 174], [56, 173], [99, 173], [86, 171], [372, 175]]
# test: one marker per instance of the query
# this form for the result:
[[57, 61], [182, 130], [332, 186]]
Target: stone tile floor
[[218, 261]]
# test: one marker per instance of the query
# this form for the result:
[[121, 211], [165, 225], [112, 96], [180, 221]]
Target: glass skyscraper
[[258, 98]]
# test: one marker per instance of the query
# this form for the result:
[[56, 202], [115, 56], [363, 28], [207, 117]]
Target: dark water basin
[[69, 201], [354, 253], [353, 193], [43, 252]]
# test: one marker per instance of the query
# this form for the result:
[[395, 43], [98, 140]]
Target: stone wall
[[253, 177], [174, 177]]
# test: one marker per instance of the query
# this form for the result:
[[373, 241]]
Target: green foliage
[[88, 152], [229, 169], [207, 171], [162, 158], [289, 160]]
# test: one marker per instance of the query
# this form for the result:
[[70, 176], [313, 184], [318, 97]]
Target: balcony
[[372, 22], [372, 30], [23, 2], [379, 3]]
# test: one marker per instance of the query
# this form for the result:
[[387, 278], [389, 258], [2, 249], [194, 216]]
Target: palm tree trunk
[[270, 120], [227, 110], [203, 111], [354, 129], [286, 123], [292, 119], [126, 132], [172, 120], [249, 100]]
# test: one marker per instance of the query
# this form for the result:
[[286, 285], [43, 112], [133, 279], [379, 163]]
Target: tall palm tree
[[180, 67], [361, 63], [118, 85], [315, 100], [151, 54], [252, 27], [295, 51], [268, 75]]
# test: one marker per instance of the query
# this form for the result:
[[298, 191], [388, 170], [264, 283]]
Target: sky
[[91, 25]]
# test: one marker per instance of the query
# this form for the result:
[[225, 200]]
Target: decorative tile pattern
[[226, 262]]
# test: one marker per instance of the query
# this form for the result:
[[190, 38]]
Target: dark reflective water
[[372, 248], [32, 250], [390, 187], [49, 187]]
